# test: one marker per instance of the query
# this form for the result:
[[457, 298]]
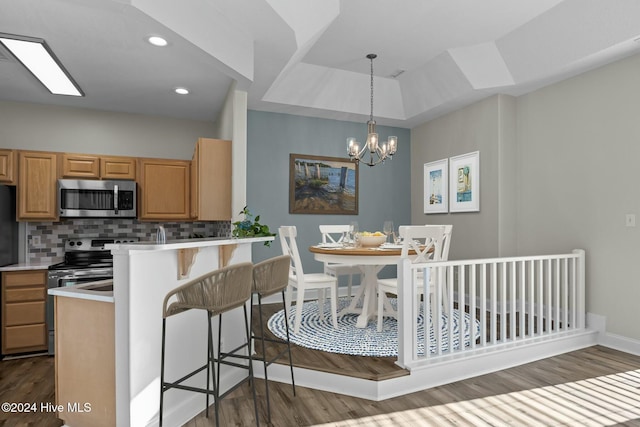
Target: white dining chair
[[337, 234], [303, 282], [431, 243]]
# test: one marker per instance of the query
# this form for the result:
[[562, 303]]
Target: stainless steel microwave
[[97, 198]]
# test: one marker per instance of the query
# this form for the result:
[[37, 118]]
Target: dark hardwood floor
[[594, 386], [370, 368]]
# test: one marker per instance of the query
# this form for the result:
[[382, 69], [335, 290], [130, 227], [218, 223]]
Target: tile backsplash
[[53, 234]]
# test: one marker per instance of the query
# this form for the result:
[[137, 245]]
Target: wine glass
[[387, 229], [353, 231]]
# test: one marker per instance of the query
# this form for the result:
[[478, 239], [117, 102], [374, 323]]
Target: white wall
[[78, 130]]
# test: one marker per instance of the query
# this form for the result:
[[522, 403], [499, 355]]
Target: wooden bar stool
[[216, 292], [270, 277]]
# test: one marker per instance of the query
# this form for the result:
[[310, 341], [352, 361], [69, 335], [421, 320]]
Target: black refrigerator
[[8, 226]]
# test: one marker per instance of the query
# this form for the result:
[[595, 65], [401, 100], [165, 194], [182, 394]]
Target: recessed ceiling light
[[157, 41], [39, 59], [181, 90]]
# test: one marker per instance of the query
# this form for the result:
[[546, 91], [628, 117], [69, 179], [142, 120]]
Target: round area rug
[[318, 334]]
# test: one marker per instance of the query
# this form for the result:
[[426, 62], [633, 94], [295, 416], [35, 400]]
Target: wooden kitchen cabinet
[[85, 361], [117, 167], [36, 187], [164, 189], [211, 180], [89, 166], [8, 167], [80, 166], [24, 327]]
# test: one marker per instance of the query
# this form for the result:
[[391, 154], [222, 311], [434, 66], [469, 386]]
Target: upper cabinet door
[[211, 180], [117, 167], [37, 185], [8, 167], [80, 166], [164, 189]]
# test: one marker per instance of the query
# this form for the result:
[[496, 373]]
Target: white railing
[[501, 301]]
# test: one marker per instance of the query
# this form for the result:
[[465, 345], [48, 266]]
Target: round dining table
[[370, 261]]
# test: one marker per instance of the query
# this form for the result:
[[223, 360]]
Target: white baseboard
[[607, 339]]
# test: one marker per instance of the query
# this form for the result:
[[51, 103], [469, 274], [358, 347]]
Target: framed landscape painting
[[436, 193], [322, 185], [464, 182]]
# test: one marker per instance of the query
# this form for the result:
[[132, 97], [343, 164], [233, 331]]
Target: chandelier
[[387, 150]]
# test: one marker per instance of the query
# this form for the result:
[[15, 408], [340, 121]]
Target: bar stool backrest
[[272, 275], [217, 291]]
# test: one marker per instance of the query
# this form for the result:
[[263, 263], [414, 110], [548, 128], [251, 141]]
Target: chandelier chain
[[371, 116]]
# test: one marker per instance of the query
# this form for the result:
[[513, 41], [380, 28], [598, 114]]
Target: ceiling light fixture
[[38, 58], [383, 152], [157, 41], [181, 91]]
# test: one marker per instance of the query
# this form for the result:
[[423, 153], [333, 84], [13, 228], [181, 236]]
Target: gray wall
[[578, 178], [76, 130], [480, 127], [383, 189], [570, 175]]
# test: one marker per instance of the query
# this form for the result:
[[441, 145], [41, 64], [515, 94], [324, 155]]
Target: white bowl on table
[[371, 241]]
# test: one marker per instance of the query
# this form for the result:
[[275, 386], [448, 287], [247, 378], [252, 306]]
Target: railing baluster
[[483, 305], [472, 305], [494, 301], [565, 292], [438, 317], [428, 316], [512, 308], [523, 301], [461, 307], [503, 302], [540, 301], [549, 299], [532, 298], [559, 325]]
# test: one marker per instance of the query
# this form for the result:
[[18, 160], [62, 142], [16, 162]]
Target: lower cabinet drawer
[[25, 294], [18, 339], [24, 278], [24, 313]]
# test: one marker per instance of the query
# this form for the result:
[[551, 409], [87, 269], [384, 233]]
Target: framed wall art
[[436, 193], [322, 185], [464, 183]]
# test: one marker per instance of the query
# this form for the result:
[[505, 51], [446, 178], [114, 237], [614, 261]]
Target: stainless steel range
[[85, 260]]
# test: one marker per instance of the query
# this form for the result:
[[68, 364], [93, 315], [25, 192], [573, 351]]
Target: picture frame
[[464, 183], [436, 189], [322, 185]]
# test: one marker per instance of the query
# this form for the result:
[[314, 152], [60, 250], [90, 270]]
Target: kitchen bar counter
[[182, 244], [143, 274]]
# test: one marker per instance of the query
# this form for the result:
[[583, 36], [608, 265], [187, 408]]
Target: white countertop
[[27, 266], [83, 291], [183, 244]]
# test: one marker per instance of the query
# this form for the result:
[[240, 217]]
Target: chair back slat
[[334, 233], [288, 235], [448, 229], [272, 275], [426, 241]]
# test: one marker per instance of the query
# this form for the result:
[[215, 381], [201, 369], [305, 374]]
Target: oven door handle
[[115, 198]]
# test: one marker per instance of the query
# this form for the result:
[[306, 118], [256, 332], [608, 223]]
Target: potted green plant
[[251, 227]]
